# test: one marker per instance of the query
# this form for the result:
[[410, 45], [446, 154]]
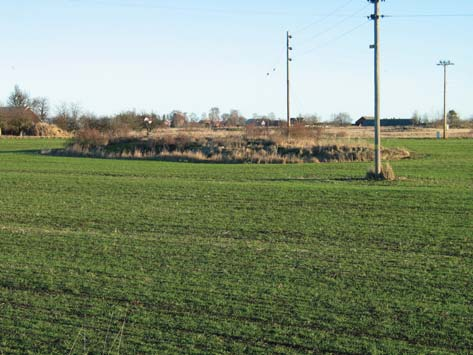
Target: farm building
[[366, 121], [264, 122], [17, 120], [258, 122]]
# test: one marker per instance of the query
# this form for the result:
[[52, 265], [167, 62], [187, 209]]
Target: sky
[[190, 55]]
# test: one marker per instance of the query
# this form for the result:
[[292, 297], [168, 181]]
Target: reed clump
[[256, 145], [387, 174]]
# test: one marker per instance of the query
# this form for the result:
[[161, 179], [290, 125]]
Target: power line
[[335, 39], [218, 11], [429, 15], [336, 25], [329, 29], [324, 18], [274, 68]]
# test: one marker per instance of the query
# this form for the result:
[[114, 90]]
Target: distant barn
[[366, 121]]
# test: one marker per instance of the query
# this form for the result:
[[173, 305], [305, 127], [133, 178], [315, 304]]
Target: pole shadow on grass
[[24, 151]]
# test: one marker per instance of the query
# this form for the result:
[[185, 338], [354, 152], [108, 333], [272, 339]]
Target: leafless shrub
[[387, 174], [118, 132], [91, 138]]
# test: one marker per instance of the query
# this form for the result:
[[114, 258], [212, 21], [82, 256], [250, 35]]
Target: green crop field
[[144, 257]]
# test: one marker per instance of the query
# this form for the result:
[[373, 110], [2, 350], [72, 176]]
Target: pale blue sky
[[113, 55]]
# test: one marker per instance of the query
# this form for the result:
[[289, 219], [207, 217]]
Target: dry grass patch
[[387, 174], [257, 145], [43, 129]]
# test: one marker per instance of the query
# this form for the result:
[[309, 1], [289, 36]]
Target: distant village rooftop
[[17, 120], [9, 113]]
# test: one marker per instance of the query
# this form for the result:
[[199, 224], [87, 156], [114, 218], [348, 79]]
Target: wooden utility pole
[[445, 64], [377, 89], [288, 93]]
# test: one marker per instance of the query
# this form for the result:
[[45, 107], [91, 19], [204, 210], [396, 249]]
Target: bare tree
[[453, 118], [234, 119], [193, 117], [214, 115], [341, 119], [129, 120], [75, 111], [416, 118], [18, 98], [225, 118], [62, 116], [310, 118], [40, 106], [67, 116]]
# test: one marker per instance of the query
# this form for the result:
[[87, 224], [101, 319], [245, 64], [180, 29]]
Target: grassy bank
[[152, 257]]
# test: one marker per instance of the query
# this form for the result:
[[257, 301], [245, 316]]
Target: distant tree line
[[71, 117], [21, 99], [453, 120]]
